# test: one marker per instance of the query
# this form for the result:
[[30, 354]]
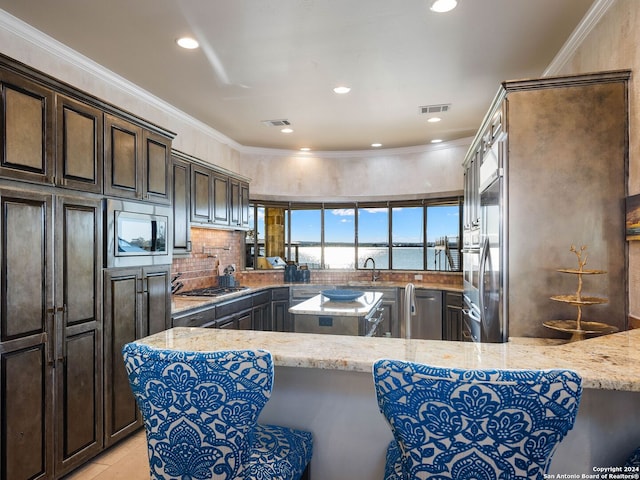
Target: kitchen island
[[355, 316], [323, 384]]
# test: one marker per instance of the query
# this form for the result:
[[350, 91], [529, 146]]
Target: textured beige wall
[[395, 173], [614, 43]]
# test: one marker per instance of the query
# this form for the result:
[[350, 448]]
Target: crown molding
[[590, 20]]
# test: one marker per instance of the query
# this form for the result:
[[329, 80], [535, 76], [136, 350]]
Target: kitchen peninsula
[[323, 383]]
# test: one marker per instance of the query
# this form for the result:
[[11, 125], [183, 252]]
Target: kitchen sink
[[369, 283]]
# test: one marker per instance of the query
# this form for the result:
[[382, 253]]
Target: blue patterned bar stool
[[634, 459], [200, 412], [480, 424]]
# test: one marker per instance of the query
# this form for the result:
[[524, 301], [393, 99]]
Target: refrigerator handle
[[484, 255]]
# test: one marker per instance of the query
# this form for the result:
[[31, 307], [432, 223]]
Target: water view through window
[[398, 237]]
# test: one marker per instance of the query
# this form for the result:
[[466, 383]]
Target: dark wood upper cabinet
[[220, 199], [26, 122], [123, 158], [201, 194], [156, 168], [79, 145], [239, 203], [137, 162], [181, 196]]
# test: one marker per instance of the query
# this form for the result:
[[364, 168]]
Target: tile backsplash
[[209, 248]]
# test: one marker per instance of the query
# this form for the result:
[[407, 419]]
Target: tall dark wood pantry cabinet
[[51, 333], [63, 398]]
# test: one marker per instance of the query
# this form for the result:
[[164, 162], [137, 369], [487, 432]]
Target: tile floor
[[125, 461]]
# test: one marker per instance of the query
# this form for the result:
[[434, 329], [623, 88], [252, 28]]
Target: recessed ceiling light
[[436, 140], [442, 6], [341, 90], [188, 43], [376, 145], [287, 130], [434, 119]]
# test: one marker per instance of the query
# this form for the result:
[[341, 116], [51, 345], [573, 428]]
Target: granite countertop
[[183, 303], [321, 305], [610, 362]]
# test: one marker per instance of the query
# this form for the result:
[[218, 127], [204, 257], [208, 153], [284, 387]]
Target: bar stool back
[[481, 424], [200, 411]]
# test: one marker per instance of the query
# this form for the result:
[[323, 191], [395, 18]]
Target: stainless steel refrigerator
[[484, 285]]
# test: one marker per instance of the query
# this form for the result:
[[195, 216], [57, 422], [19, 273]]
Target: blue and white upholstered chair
[[634, 459], [200, 411], [480, 424]]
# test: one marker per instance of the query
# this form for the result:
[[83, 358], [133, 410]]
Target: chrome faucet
[[374, 277]]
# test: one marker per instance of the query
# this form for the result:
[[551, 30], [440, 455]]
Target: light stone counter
[[611, 362], [181, 303], [321, 305]]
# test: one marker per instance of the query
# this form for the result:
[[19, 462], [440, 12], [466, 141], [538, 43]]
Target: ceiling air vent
[[429, 109], [276, 123]]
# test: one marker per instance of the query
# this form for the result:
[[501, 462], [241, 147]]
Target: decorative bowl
[[342, 295]]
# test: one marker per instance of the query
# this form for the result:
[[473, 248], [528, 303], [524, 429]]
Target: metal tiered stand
[[579, 328]]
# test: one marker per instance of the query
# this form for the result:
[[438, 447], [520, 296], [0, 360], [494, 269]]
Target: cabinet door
[[156, 168], [122, 307], [79, 135], [244, 321], [195, 319], [156, 315], [181, 196], [123, 163], [235, 203], [239, 203], [78, 350], [261, 312], [452, 325], [201, 195], [26, 139], [220, 199], [26, 336], [262, 318], [244, 205]]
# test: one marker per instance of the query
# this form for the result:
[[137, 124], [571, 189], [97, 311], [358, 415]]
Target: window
[[407, 238], [306, 232], [339, 232], [407, 235], [443, 227], [373, 236]]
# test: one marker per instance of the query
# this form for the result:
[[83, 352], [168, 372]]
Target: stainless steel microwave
[[138, 234]]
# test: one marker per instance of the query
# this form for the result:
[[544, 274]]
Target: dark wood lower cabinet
[[261, 311], [78, 348], [452, 325], [137, 303], [26, 340], [281, 319], [50, 338]]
